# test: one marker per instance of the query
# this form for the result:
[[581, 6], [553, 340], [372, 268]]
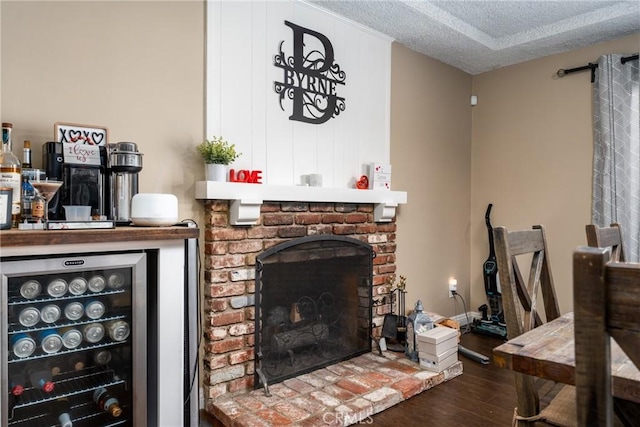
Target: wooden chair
[[606, 302], [603, 237], [522, 313]]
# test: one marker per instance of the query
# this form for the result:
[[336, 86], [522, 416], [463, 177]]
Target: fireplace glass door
[[313, 305]]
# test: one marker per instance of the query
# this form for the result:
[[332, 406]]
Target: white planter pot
[[215, 172]]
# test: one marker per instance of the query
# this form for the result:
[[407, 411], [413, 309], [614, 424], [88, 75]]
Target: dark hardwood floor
[[484, 395]]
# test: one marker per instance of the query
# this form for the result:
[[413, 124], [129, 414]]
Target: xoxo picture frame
[[80, 134]]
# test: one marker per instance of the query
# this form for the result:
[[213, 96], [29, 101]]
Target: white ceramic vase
[[215, 172]]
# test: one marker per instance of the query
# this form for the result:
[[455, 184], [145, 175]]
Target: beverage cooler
[[74, 340]]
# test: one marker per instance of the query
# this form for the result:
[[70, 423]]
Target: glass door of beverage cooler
[[75, 348]]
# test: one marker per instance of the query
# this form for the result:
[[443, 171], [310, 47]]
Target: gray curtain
[[616, 150]]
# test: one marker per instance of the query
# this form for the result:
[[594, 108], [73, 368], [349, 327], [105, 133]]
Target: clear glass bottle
[[11, 173], [28, 194]]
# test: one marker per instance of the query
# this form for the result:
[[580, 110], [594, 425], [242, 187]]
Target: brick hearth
[[346, 393]]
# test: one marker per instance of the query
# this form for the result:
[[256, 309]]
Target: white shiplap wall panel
[[260, 57], [280, 143], [308, 138], [243, 107], [236, 75], [214, 53]]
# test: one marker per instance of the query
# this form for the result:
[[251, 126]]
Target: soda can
[[94, 309], [97, 283], [29, 316], [57, 288], [50, 313], [102, 357], [93, 332], [74, 311], [71, 338], [30, 289], [115, 281], [50, 341], [78, 286], [118, 330], [23, 345]]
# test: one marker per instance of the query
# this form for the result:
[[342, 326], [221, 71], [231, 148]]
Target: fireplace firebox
[[313, 305]]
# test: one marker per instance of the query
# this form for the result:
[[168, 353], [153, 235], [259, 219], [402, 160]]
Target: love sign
[[80, 134], [81, 154], [243, 175]]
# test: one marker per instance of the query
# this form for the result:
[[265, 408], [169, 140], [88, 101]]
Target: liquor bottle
[[26, 155], [40, 377], [28, 194], [106, 402], [11, 173], [38, 204], [62, 411]]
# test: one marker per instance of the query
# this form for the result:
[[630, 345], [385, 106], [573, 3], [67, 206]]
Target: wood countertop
[[15, 238]]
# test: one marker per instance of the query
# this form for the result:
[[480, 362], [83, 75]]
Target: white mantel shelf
[[247, 198]]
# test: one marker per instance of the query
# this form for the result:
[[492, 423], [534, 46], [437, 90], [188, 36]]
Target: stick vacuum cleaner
[[493, 325]]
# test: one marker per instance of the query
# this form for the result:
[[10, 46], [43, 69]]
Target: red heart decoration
[[362, 183]]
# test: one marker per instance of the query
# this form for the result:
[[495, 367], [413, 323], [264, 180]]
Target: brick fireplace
[[230, 258]]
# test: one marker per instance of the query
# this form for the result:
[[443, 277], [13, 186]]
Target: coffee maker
[[83, 184], [124, 164]]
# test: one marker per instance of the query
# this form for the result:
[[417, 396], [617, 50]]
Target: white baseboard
[[462, 318]]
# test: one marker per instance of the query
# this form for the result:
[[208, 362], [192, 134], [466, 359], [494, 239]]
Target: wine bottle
[[77, 361], [62, 411], [17, 382], [40, 377], [26, 154], [106, 402]]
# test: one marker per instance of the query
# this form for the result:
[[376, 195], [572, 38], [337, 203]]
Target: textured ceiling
[[477, 36]]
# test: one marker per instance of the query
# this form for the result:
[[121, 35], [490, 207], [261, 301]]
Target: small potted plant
[[217, 154]]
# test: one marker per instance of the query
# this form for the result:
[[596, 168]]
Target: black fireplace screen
[[313, 305]]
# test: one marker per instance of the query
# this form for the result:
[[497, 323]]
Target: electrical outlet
[[453, 286]]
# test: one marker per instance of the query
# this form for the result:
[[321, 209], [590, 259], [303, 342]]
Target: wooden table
[[548, 352]]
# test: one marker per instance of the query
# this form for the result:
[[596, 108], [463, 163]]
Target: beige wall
[[532, 157], [431, 158], [134, 67]]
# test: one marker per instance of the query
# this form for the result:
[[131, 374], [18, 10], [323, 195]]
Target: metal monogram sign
[[311, 78]]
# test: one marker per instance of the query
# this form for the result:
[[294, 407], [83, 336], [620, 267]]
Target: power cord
[[480, 358], [199, 330], [467, 328]]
